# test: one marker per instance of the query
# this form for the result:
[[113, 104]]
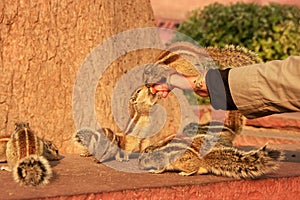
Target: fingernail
[[165, 94]]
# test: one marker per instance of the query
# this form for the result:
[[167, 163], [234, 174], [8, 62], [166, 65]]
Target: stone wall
[[176, 9]]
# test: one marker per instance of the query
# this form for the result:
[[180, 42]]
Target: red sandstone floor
[[81, 178]]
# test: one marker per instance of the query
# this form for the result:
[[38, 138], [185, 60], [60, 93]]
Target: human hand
[[181, 82], [161, 88]]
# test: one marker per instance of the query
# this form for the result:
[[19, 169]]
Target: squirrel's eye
[[139, 91]]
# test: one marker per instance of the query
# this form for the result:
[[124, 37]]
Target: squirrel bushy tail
[[32, 170], [229, 161]]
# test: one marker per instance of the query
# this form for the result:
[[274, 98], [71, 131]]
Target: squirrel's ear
[[265, 146]]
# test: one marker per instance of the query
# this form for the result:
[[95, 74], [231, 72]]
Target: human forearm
[[267, 88]]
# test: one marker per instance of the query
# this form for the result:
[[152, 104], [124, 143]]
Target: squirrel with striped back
[[208, 149], [191, 60], [104, 144], [203, 155], [188, 59], [27, 156]]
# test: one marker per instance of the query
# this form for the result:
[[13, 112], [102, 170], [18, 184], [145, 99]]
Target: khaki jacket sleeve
[[268, 88]]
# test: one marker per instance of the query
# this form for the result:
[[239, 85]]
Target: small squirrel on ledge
[[27, 156], [205, 154]]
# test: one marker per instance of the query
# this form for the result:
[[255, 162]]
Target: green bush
[[272, 31]]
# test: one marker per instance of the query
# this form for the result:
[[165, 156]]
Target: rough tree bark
[[42, 46]]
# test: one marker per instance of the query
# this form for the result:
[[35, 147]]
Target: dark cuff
[[218, 89]]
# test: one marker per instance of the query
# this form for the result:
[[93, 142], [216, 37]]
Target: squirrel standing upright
[[105, 144], [27, 155]]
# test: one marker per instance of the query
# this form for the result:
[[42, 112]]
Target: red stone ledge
[[81, 178], [260, 136], [286, 121], [280, 188]]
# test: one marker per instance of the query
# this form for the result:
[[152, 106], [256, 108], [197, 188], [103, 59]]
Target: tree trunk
[[42, 47]]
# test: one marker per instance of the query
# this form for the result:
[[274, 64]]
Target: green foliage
[[272, 31], [195, 99]]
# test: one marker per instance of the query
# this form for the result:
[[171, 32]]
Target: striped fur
[[140, 104], [25, 142], [105, 145], [205, 155], [25, 154], [211, 57], [190, 60], [207, 148], [223, 133]]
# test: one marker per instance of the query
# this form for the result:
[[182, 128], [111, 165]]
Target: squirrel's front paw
[[202, 170], [122, 159], [187, 173], [6, 168], [85, 153], [125, 158], [156, 171]]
